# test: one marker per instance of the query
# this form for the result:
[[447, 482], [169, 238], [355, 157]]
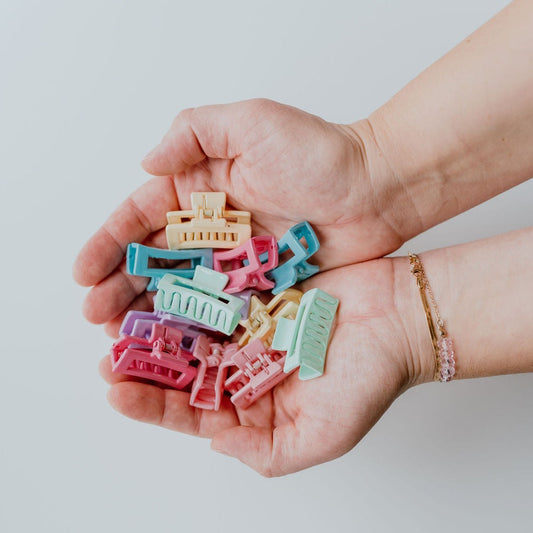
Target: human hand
[[284, 165], [278, 162], [302, 423]]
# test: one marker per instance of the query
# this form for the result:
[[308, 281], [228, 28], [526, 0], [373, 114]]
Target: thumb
[[210, 131]]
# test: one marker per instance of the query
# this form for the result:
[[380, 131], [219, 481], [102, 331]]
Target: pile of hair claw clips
[[208, 284]]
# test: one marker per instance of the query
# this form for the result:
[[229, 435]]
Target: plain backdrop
[[86, 89]]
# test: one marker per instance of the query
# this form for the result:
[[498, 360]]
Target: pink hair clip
[[248, 264], [158, 358], [260, 369], [215, 359]]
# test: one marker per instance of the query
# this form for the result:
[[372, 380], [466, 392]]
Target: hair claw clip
[[200, 299], [306, 338], [139, 324], [158, 358], [296, 268], [208, 224], [247, 297], [156, 262], [247, 267], [262, 319], [260, 369], [208, 386]]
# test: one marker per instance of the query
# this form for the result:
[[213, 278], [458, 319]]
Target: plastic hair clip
[[158, 358], [139, 324], [208, 224], [156, 262], [262, 319], [208, 386], [246, 296], [296, 268], [200, 299], [247, 269], [260, 369], [306, 338]]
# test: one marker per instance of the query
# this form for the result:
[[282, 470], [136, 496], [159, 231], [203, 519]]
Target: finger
[[111, 297], [214, 131], [106, 371], [143, 213], [169, 408], [143, 302], [286, 449], [108, 301]]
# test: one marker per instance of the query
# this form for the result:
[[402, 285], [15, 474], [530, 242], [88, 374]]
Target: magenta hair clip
[[158, 358], [244, 265], [215, 359], [260, 369]]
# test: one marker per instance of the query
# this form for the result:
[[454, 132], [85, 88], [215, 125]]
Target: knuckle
[[262, 105]]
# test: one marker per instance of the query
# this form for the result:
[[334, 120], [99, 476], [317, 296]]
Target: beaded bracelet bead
[[442, 344]]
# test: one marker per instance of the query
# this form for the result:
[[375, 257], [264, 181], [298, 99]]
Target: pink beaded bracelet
[[442, 344]]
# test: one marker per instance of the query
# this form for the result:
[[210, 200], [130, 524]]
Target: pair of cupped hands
[[284, 166]]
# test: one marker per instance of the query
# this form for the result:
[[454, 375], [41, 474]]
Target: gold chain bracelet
[[442, 344]]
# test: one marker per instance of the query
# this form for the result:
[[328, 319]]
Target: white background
[[86, 89]]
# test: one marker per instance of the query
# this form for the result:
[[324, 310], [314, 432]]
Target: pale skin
[[454, 137]]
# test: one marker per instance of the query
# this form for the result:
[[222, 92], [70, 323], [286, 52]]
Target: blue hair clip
[[139, 262], [296, 268]]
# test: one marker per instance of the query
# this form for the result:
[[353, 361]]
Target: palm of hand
[[300, 423], [289, 165], [283, 165]]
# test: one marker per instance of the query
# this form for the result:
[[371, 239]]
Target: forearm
[[462, 131], [484, 292]]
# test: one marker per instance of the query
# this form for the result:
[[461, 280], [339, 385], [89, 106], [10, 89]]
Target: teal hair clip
[[302, 241], [306, 338], [154, 263], [201, 299]]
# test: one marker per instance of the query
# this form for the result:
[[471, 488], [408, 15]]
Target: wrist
[[407, 190], [482, 291], [419, 356], [422, 171]]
